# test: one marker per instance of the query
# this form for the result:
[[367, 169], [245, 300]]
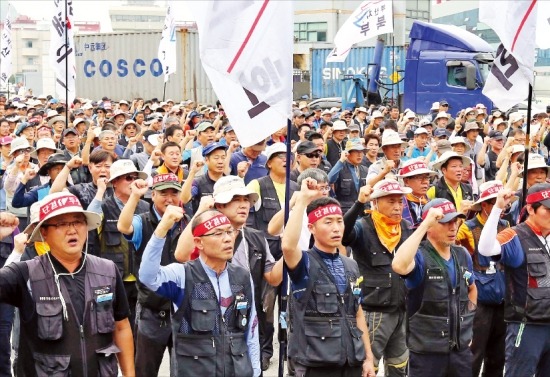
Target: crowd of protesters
[[129, 228]]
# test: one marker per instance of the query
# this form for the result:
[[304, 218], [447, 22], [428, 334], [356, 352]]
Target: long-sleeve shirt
[[22, 199], [169, 281], [337, 168]]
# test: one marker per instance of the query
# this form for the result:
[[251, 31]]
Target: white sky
[[91, 10]]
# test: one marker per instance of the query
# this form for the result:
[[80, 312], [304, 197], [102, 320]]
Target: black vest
[[383, 289], [334, 150], [146, 297], [445, 318], [344, 187], [6, 247], [490, 286], [527, 293], [206, 188], [54, 346], [491, 173], [112, 244], [442, 191], [206, 342], [323, 325], [256, 258], [270, 207]]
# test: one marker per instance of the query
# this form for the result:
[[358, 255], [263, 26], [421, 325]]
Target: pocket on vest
[[377, 289], [326, 297], [428, 334], [203, 315], [107, 364], [195, 356], [104, 317], [490, 287], [358, 345], [50, 320], [242, 365], [51, 365], [323, 341], [537, 304], [466, 329], [117, 259]]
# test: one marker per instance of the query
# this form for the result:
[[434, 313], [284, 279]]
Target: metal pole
[[283, 296], [527, 146], [164, 92], [66, 67]]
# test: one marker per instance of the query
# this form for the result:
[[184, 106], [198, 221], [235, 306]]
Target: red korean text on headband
[[537, 197], [319, 213], [413, 167], [492, 190], [210, 224], [447, 207]]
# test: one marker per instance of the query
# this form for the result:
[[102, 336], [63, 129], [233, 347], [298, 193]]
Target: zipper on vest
[[454, 317], [213, 342]]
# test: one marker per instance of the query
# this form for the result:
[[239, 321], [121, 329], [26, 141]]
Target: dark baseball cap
[[449, 210], [496, 135], [441, 132], [307, 147], [69, 131], [148, 133], [212, 147]]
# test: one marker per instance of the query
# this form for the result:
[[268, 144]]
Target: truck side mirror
[[471, 72]]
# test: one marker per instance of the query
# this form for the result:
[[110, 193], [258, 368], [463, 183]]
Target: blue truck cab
[[445, 62]]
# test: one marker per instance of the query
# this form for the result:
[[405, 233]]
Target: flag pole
[[283, 296], [527, 146], [164, 92], [66, 66]]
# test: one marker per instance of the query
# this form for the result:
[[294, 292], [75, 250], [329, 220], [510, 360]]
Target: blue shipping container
[[325, 77]]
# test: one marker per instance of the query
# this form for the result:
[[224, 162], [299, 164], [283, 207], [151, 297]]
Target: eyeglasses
[[26, 150], [130, 178], [312, 155], [324, 188], [64, 226], [221, 233]]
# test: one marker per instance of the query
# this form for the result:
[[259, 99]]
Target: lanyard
[[246, 252]]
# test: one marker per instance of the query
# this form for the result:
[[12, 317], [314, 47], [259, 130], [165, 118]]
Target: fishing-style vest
[[383, 289], [206, 188], [51, 346], [442, 191], [257, 255], [444, 321], [489, 281], [207, 342], [146, 297], [112, 244], [270, 207], [323, 327], [527, 290], [344, 187]]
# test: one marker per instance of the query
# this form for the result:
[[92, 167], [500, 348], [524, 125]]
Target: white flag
[[62, 49], [5, 50], [370, 19], [515, 24], [249, 62], [167, 46]]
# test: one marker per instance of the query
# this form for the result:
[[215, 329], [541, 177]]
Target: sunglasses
[[312, 155], [444, 105], [130, 178]]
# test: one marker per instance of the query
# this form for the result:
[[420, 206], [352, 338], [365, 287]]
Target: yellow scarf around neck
[[387, 229]]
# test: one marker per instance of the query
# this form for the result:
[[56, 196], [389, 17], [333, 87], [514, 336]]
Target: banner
[[249, 62], [167, 46], [370, 19], [5, 50], [62, 49], [515, 23]]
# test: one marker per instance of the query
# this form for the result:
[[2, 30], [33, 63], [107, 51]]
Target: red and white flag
[[370, 19], [6, 47], [515, 23], [62, 49], [246, 50], [167, 46]]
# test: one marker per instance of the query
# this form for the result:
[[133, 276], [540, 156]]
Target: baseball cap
[[355, 145], [69, 131], [166, 181], [203, 126], [539, 193], [307, 147], [420, 131], [448, 208], [274, 149], [6, 140], [441, 132], [227, 129], [212, 147], [496, 135]]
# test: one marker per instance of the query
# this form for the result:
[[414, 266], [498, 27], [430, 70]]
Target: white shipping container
[[126, 66]]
